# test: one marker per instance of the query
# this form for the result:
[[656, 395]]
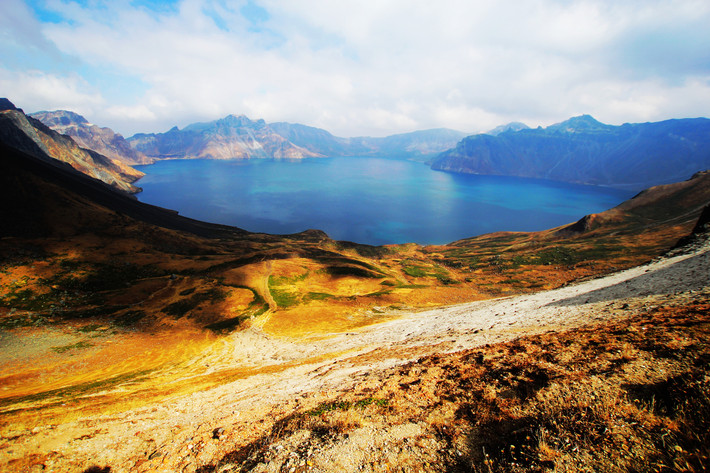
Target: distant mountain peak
[[236, 118], [512, 126], [581, 123], [230, 121], [239, 121], [60, 118], [230, 137]]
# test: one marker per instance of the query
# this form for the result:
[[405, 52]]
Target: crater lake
[[366, 200]]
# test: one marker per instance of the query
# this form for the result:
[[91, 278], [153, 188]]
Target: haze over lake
[[367, 200]]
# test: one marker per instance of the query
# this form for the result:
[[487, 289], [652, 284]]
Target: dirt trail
[[279, 374], [265, 292]]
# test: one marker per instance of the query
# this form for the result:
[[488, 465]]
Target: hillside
[[103, 140], [33, 137], [139, 340], [583, 150]]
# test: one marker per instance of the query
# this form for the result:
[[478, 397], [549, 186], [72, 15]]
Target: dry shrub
[[608, 407], [632, 394]]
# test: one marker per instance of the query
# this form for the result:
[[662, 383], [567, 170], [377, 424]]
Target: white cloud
[[36, 90], [380, 67]]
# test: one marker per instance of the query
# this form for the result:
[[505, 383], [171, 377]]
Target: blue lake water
[[366, 200]]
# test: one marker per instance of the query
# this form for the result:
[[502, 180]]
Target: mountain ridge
[[231, 137], [87, 135], [586, 151], [578, 150], [238, 137], [31, 136]]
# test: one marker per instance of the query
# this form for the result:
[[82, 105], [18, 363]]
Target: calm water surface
[[366, 200]]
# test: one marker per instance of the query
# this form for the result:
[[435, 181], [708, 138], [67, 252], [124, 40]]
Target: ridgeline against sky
[[357, 68]]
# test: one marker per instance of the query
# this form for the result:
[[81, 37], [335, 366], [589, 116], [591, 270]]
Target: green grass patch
[[285, 297], [445, 279], [329, 407], [380, 402], [77, 390], [261, 310], [559, 255], [415, 271], [418, 271], [346, 405], [317, 296], [75, 346], [282, 280]]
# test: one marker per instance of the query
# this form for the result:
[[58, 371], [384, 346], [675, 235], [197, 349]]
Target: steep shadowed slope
[[33, 137], [52, 197]]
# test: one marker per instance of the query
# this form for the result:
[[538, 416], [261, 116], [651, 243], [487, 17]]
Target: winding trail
[[260, 321]]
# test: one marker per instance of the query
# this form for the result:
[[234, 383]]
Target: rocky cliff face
[[232, 137], [512, 126], [316, 140], [100, 139], [583, 150], [417, 145], [237, 137], [33, 137]]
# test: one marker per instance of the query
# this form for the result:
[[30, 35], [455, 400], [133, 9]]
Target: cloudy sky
[[360, 67]]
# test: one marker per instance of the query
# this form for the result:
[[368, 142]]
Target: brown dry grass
[[632, 394]]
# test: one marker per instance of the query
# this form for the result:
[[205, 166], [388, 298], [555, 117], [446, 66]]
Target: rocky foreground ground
[[605, 375]]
